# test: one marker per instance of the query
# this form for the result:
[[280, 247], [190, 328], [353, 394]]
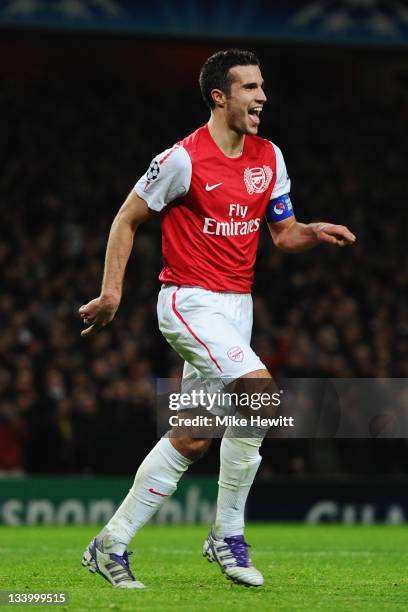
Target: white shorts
[[210, 331]]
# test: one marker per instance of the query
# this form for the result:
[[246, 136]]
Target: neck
[[230, 143]]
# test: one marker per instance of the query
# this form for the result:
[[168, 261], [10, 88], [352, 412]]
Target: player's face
[[246, 99]]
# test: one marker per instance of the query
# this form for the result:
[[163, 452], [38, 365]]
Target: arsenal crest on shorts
[[257, 180]]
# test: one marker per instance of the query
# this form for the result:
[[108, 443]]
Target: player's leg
[[239, 451], [239, 463], [155, 481], [216, 328]]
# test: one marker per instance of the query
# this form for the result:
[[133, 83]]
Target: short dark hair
[[215, 72]]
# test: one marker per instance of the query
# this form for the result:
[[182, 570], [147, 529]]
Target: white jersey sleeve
[[167, 178], [282, 184]]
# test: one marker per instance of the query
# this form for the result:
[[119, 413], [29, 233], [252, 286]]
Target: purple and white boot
[[232, 556], [112, 566]]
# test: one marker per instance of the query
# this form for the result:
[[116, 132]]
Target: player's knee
[[192, 448], [197, 447], [243, 451]]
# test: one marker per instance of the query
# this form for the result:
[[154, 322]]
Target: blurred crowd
[[71, 152]]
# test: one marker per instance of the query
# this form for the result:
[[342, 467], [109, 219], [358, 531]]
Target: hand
[[334, 234], [98, 313]]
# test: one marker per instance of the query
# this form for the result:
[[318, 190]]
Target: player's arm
[[100, 311], [167, 178], [292, 236]]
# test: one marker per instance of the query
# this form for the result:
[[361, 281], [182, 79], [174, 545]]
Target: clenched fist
[[98, 313]]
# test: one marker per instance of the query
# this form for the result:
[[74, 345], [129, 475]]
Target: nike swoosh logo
[[158, 493], [211, 187]]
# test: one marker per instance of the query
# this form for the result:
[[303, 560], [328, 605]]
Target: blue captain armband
[[279, 209]]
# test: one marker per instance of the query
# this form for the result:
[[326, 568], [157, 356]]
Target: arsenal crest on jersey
[[257, 180]]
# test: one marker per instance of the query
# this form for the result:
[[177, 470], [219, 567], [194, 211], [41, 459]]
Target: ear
[[219, 98]]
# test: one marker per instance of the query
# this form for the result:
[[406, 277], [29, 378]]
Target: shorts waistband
[[168, 286]]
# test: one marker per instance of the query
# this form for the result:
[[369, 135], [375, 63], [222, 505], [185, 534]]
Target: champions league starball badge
[[153, 171]]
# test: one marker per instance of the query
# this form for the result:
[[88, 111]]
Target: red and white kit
[[211, 208]]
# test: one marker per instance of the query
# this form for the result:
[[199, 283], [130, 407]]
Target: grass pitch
[[305, 568]]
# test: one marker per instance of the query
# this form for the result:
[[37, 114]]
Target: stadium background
[[88, 96]]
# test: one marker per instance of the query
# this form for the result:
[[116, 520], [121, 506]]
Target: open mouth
[[254, 114]]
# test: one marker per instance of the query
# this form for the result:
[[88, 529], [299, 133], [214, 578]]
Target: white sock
[[239, 462], [155, 480]]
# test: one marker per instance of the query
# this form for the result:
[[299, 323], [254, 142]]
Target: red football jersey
[[212, 207]]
